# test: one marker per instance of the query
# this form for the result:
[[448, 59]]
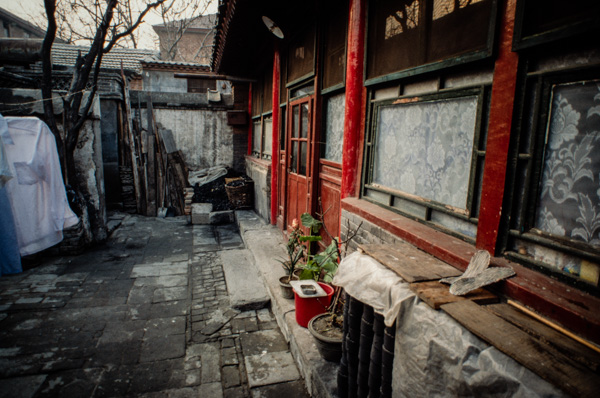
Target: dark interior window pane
[[541, 16], [201, 85], [282, 79], [294, 157], [301, 56], [335, 48], [267, 88], [303, 156], [394, 37], [282, 135], [295, 119], [304, 126], [409, 33], [458, 30], [256, 98], [256, 136]]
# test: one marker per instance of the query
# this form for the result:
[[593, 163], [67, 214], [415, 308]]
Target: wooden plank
[[132, 144], [168, 140], [411, 264], [151, 160], [161, 169], [548, 335], [436, 294], [554, 367], [151, 177]]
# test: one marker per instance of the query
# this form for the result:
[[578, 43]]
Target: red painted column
[[354, 96], [250, 124], [499, 129], [275, 141]]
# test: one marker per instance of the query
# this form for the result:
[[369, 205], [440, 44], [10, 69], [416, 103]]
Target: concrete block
[[245, 286], [264, 341], [270, 368], [201, 213], [211, 364]]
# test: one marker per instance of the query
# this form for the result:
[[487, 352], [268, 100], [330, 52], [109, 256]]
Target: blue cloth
[[10, 259]]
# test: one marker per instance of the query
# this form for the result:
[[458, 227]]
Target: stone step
[[244, 283]]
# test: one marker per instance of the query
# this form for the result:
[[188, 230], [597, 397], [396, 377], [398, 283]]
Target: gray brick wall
[[368, 232]]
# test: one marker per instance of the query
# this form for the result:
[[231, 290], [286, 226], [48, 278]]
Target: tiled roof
[[66, 55], [159, 64]]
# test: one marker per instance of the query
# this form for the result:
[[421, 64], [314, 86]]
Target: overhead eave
[[243, 44]]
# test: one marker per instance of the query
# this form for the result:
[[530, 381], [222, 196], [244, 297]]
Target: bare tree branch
[[47, 79], [133, 27]]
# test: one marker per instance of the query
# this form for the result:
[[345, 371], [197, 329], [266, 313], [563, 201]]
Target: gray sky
[[25, 8]]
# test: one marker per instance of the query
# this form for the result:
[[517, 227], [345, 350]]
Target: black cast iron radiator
[[367, 353]]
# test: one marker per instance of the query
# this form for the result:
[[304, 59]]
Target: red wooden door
[[298, 152]]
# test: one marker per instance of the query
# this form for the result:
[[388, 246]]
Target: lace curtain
[[334, 128], [425, 149]]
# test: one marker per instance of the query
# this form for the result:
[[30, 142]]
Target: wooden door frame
[[310, 99]]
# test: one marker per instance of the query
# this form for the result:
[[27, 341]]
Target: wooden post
[[250, 124], [275, 140], [500, 125], [353, 114], [151, 156]]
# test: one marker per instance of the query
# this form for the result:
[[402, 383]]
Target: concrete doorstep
[[266, 244], [245, 285]]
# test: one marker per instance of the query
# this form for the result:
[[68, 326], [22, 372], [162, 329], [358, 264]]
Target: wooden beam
[[412, 264], [436, 294]]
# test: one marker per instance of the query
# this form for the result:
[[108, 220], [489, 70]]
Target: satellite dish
[[272, 26]]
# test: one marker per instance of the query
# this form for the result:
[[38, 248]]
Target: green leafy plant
[[323, 265], [295, 250]]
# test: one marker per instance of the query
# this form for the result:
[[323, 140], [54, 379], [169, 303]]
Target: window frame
[[260, 154], [326, 95], [522, 41], [520, 220], [459, 59], [470, 214], [335, 88], [311, 73]]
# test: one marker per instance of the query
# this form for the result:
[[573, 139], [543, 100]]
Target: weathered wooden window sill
[[564, 362], [574, 309]]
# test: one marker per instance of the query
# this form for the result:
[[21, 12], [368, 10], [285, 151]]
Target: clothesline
[[22, 104]]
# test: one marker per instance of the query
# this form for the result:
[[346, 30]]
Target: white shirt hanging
[[37, 193]]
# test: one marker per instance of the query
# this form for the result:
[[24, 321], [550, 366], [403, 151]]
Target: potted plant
[[321, 266], [319, 269], [328, 330], [327, 327], [295, 251]]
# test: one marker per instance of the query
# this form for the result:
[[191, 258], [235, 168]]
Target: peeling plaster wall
[[203, 136], [164, 81], [261, 175]]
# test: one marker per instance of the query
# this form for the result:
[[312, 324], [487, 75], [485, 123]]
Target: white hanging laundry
[[37, 193]]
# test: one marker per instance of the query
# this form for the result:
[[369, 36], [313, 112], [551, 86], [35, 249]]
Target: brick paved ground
[[147, 314]]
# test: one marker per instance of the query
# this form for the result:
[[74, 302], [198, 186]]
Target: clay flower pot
[[328, 337], [286, 289]]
